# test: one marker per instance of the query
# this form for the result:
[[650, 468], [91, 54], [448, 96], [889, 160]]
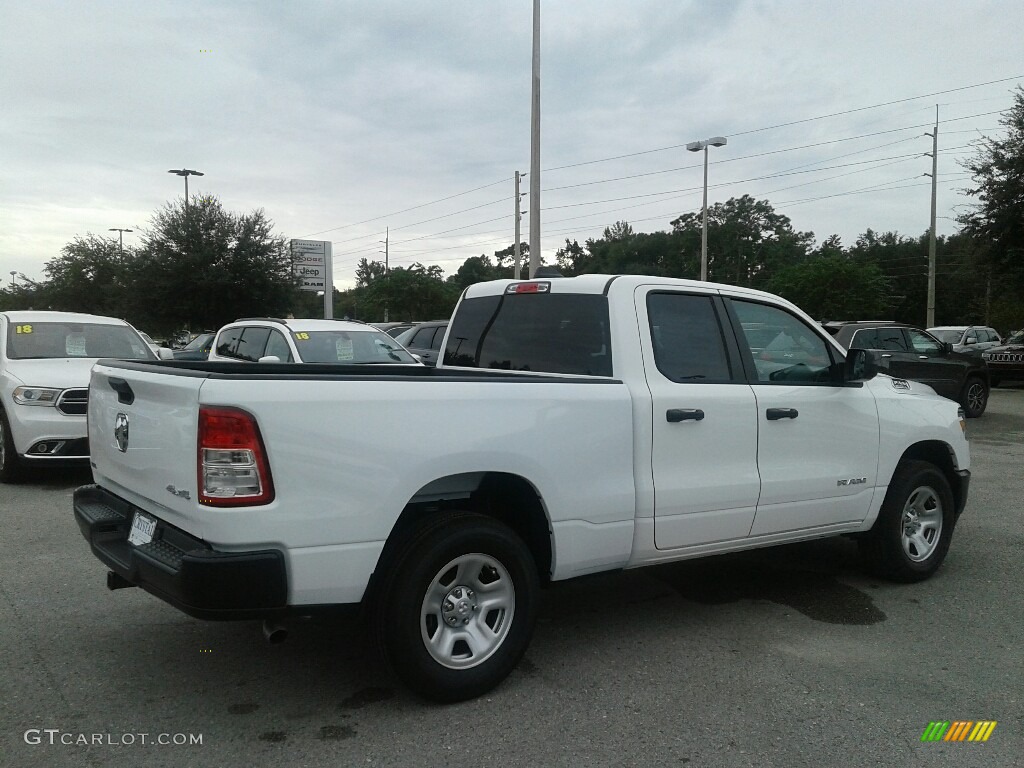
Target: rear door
[[817, 441], [704, 450]]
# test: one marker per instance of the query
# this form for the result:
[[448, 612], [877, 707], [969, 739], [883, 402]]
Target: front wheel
[[457, 610], [910, 539], [974, 397]]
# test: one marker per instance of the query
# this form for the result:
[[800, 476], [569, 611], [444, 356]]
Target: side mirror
[[164, 353], [270, 359], [861, 365]]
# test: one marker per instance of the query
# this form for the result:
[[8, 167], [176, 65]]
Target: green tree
[[747, 240], [833, 287], [90, 275], [414, 292], [204, 266], [997, 221]]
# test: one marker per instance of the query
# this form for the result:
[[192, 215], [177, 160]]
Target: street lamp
[[120, 238], [697, 146], [185, 172]]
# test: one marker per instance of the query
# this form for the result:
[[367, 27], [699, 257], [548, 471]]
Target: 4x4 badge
[[121, 432]]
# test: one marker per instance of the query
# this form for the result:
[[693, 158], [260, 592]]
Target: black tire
[[974, 397], [911, 537], [11, 470], [479, 557]]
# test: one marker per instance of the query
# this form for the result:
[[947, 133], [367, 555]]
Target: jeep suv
[[906, 352], [973, 339], [1006, 362]]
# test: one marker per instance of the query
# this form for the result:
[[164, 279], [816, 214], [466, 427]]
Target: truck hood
[[61, 373]]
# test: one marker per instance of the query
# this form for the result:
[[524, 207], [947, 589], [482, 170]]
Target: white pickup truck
[[574, 425]]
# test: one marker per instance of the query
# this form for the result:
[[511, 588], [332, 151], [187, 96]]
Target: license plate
[[142, 530]]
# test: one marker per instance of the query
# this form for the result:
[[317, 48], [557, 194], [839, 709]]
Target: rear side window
[[423, 338], [890, 339], [547, 332], [687, 338]]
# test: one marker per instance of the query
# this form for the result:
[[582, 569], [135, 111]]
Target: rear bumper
[[179, 568]]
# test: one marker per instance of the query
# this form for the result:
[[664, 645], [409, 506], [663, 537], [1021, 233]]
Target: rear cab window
[[546, 332]]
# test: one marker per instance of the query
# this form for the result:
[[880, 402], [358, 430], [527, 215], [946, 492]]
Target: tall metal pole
[[387, 270], [535, 147], [519, 218], [930, 322], [704, 224]]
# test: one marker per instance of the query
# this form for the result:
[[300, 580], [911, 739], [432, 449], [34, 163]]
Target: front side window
[[49, 340], [793, 354], [545, 332], [252, 343], [687, 338], [923, 343], [423, 338]]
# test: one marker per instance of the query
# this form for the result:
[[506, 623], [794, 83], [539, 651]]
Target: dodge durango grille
[[73, 402]]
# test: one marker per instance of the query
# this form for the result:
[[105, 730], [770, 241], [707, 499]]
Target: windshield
[[34, 341], [1016, 338], [949, 337], [202, 341], [351, 347]]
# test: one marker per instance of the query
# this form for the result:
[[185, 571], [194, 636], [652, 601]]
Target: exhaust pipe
[[117, 581], [274, 632]]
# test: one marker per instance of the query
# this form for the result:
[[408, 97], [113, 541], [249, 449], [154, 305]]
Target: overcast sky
[[338, 117]]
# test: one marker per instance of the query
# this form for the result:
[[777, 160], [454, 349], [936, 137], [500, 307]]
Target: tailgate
[[142, 438]]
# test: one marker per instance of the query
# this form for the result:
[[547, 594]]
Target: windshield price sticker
[[302, 336], [23, 329]]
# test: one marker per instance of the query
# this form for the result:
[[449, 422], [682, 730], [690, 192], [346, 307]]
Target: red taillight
[[535, 287], [232, 462]]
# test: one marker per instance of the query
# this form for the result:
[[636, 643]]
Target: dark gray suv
[[910, 353]]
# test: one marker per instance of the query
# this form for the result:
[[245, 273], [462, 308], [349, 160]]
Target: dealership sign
[[311, 263]]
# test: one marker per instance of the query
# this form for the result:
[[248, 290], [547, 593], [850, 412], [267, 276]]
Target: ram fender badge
[[901, 384], [121, 432], [851, 481]]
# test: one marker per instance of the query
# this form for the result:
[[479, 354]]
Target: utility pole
[[535, 147], [387, 284], [930, 322], [519, 218]]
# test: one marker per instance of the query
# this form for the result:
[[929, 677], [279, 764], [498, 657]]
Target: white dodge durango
[[45, 360]]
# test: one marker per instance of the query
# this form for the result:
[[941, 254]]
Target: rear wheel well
[[509, 498], [940, 455]]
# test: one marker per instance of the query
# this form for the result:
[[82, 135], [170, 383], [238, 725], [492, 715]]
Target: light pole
[[185, 173], [13, 275], [697, 146], [120, 238], [387, 270]]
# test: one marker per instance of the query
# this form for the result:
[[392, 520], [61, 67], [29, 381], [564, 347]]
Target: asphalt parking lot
[[784, 657]]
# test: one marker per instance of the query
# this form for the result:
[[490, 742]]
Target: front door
[[817, 444]]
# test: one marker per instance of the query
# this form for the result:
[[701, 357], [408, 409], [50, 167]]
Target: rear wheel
[[910, 539], [10, 467], [974, 397], [457, 610]]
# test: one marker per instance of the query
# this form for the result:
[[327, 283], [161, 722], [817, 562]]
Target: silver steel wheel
[[975, 396], [922, 523], [467, 611]]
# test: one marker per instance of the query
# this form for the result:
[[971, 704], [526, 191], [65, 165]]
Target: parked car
[[45, 359], [973, 339], [910, 353], [393, 329], [271, 340], [1006, 362], [197, 349], [424, 340]]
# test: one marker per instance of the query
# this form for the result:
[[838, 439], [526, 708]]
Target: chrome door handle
[[886, 356], [922, 357]]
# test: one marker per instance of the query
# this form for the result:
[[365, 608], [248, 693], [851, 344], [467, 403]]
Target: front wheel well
[[509, 498], [941, 456]]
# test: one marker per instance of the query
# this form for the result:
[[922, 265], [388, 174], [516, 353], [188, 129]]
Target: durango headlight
[[36, 396]]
